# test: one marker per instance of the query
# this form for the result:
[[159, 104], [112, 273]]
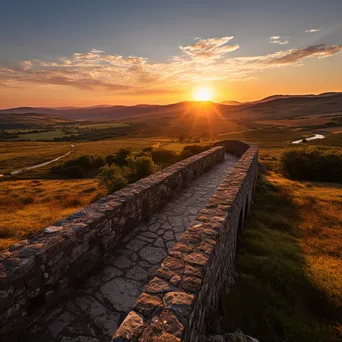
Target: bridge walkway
[[100, 305]]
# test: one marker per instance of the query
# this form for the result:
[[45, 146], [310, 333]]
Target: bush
[[98, 162], [313, 164], [110, 159], [163, 156], [80, 167], [111, 177], [121, 156], [141, 166], [72, 171], [85, 161]]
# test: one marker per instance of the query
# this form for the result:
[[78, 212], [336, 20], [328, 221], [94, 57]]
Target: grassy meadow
[[27, 206], [289, 264], [16, 155]]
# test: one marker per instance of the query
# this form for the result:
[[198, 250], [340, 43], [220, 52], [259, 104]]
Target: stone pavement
[[100, 305]]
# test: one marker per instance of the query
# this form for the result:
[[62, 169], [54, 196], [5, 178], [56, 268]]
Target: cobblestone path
[[100, 305]]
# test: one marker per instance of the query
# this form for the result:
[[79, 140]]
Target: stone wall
[[235, 147], [37, 272], [176, 304]]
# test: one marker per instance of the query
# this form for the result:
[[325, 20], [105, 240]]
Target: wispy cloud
[[278, 40], [291, 57], [204, 60], [312, 30], [212, 48]]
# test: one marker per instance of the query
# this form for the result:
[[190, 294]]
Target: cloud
[[312, 30], [214, 48], [204, 60], [296, 55], [281, 59], [278, 40]]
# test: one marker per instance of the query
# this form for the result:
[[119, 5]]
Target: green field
[[50, 135], [101, 125]]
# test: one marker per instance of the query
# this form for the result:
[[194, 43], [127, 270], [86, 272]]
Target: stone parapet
[[177, 302]]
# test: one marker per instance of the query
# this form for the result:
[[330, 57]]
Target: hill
[[28, 120], [231, 103], [285, 107], [276, 106]]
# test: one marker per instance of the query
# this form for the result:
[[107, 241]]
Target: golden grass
[[319, 210], [26, 206], [289, 262], [16, 155], [105, 147]]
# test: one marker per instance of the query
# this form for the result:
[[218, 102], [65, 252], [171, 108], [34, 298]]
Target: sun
[[203, 94]]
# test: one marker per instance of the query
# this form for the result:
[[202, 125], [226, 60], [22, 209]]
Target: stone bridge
[[145, 264]]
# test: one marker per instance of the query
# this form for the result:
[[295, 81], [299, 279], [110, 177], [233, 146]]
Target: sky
[[85, 52]]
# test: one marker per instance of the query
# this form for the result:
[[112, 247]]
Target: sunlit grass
[[28, 206], [290, 265], [17, 155]]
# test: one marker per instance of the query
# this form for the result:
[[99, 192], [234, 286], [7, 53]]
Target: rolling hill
[[28, 120], [276, 106]]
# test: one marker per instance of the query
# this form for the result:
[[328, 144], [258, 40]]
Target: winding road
[[16, 172]]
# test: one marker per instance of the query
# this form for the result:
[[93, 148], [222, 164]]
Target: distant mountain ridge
[[272, 105]]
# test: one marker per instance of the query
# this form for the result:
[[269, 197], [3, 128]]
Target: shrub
[[121, 156], [312, 164], [85, 161], [98, 162], [141, 166], [72, 171], [111, 177], [110, 159], [163, 156]]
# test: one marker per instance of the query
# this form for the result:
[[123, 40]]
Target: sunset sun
[[203, 94]]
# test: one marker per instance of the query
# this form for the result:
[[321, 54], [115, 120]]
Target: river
[[316, 136]]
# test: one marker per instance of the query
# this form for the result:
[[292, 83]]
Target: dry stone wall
[[37, 272], [177, 302]]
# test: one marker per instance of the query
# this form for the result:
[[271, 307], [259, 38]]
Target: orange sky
[[92, 78]]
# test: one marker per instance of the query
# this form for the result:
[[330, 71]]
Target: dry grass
[[16, 155], [30, 205], [319, 209]]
